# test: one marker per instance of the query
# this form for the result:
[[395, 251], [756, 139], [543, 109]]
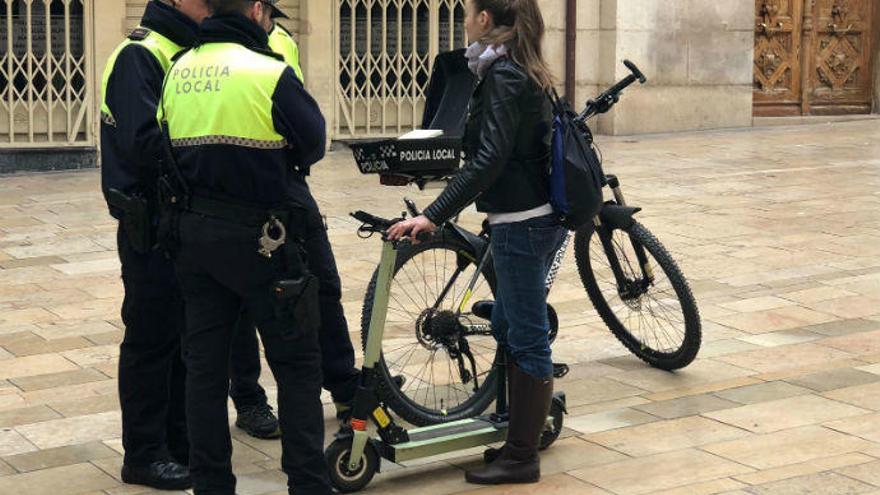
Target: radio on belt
[[418, 157]]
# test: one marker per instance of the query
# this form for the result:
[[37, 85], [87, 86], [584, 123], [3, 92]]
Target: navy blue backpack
[[576, 177]]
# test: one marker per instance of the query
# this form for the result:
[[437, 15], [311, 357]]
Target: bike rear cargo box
[[418, 158]]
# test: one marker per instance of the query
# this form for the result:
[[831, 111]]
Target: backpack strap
[[557, 102]]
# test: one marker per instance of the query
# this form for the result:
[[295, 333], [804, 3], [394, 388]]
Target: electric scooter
[[354, 457]]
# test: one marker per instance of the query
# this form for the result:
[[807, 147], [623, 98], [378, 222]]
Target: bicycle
[[654, 315]]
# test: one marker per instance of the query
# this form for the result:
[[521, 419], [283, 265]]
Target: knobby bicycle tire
[[692, 333]]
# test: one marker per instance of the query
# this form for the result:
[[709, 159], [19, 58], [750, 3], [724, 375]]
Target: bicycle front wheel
[[651, 312], [444, 353]]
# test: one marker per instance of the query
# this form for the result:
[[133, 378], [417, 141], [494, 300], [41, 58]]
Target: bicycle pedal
[[560, 370]]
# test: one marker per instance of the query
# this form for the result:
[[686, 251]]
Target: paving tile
[[774, 339], [780, 358], [6, 469], [786, 413], [11, 443], [73, 328], [594, 390], [606, 406], [824, 381], [665, 436], [873, 368], [86, 406], [787, 447], [686, 406], [703, 388], [560, 484], [814, 484], [40, 346], [724, 347], [865, 396], [757, 304], [844, 327], [93, 355], [34, 365], [25, 415], [659, 472], [774, 320], [848, 307], [867, 472], [61, 456], [70, 431], [705, 488], [66, 480], [858, 344], [608, 420], [699, 372], [816, 294], [62, 379], [810, 467]]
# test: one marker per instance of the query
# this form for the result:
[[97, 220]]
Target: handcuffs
[[268, 243]]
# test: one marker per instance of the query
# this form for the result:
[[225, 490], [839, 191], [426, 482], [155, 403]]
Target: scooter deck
[[447, 437]]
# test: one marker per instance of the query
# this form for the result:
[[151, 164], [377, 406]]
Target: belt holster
[[136, 219]]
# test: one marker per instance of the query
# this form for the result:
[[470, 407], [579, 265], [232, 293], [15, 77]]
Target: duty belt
[[245, 215], [272, 220]]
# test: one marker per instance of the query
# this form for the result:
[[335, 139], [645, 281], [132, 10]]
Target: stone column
[[317, 49], [698, 58]]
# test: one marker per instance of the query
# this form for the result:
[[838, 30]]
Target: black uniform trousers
[[337, 352], [221, 274], [151, 371]]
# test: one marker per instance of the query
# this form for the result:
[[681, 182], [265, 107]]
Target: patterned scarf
[[481, 56]]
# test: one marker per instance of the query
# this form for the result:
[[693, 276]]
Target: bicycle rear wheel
[[653, 313], [447, 356]]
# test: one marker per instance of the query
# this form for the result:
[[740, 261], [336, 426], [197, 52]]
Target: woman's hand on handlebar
[[410, 228]]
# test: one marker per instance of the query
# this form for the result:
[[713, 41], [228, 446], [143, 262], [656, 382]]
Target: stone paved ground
[[777, 229]]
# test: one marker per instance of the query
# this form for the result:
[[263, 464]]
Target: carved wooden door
[[840, 75], [812, 57], [778, 77]]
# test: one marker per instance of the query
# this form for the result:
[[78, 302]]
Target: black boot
[[258, 421], [490, 454], [161, 475], [518, 461]]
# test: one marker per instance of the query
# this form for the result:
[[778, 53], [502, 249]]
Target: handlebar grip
[[372, 220], [635, 71], [424, 236]]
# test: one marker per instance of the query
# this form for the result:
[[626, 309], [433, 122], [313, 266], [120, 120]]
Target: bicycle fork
[[606, 234]]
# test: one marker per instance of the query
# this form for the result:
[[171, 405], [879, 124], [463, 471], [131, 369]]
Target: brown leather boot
[[518, 461]]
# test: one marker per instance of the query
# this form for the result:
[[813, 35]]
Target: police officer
[[340, 375], [254, 415], [244, 133], [151, 372]]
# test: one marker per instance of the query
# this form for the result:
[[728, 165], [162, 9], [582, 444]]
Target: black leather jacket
[[507, 147]]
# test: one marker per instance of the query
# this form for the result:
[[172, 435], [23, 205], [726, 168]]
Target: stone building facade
[[710, 63]]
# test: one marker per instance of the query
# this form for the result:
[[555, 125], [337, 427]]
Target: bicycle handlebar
[[611, 96], [372, 223]]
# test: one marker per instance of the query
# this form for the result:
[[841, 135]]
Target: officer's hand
[[411, 228]]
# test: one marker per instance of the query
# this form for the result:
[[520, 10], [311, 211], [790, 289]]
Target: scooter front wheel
[[341, 476]]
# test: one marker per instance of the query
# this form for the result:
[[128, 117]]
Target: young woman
[[507, 149]]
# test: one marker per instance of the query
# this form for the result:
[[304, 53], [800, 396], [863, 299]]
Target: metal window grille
[[45, 73], [385, 49]]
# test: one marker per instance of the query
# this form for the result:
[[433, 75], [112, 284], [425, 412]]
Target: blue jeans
[[523, 253]]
